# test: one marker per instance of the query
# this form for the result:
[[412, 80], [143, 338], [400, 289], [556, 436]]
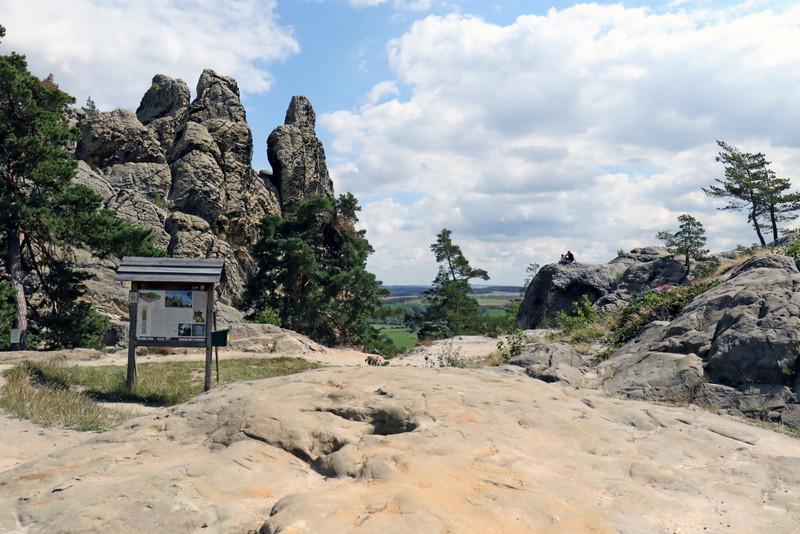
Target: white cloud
[[110, 49], [589, 128]]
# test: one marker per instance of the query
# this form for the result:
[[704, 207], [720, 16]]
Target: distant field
[[493, 302], [402, 338]]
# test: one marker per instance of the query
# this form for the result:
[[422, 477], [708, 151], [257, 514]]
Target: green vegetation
[[311, 272], [753, 187], [90, 108], [399, 335], [654, 306], [451, 310], [50, 392], [582, 325], [42, 213], [688, 240], [449, 307]]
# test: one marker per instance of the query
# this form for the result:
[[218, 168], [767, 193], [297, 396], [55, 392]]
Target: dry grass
[[28, 395], [724, 268], [53, 393]]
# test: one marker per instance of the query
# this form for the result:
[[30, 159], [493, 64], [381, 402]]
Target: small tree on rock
[[752, 186], [687, 241]]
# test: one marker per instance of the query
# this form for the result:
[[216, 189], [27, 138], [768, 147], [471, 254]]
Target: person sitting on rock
[[570, 258], [563, 259]]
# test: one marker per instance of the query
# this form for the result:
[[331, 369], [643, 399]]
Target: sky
[[525, 127]]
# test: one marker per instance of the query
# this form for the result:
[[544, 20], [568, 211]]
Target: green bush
[[707, 268], [581, 315], [654, 306]]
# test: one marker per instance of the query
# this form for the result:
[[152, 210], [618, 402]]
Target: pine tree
[[42, 212], [451, 310], [311, 271], [751, 185], [688, 240]]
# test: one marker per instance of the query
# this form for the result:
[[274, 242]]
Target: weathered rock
[[84, 175], [163, 109], [744, 332], [198, 186], [117, 137], [166, 97], [547, 354], [790, 416], [559, 372], [135, 208], [391, 450], [194, 158], [656, 375], [152, 180], [297, 156], [191, 237], [217, 98], [556, 287]]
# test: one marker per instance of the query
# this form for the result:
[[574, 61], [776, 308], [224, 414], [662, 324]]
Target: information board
[[171, 314]]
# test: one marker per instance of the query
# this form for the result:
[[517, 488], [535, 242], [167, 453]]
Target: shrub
[[655, 306], [513, 344]]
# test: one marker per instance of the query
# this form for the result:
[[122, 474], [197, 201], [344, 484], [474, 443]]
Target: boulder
[[297, 156], [560, 372], [547, 354], [609, 287], [556, 288], [166, 97], [163, 109], [117, 137], [217, 98], [741, 333]]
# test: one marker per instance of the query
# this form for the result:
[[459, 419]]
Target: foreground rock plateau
[[398, 450]]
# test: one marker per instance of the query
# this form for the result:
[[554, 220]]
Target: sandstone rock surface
[[297, 156], [177, 158], [386, 450]]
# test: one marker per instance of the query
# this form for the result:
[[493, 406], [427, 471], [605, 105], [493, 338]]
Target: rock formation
[[182, 169], [297, 156], [397, 450], [556, 287], [734, 347]]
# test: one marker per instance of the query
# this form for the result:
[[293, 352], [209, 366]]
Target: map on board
[[171, 314]]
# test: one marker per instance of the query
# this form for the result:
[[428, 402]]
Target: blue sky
[[527, 128]]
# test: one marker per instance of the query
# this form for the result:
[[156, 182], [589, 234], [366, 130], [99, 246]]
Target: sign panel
[[171, 314], [15, 336]]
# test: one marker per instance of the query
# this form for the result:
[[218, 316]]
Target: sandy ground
[[23, 441]]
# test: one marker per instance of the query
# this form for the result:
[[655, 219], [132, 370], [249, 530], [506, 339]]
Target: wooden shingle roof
[[138, 269]]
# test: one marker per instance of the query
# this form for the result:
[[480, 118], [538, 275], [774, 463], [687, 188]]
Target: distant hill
[[416, 291]]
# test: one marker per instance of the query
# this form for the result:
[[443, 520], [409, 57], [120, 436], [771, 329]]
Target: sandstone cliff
[[182, 168]]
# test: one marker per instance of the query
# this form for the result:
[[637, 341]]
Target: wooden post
[[209, 326], [132, 311]]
